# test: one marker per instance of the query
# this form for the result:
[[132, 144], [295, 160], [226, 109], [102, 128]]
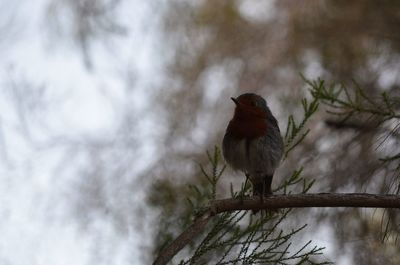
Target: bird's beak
[[236, 101]]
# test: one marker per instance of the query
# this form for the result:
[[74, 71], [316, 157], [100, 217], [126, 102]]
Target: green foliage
[[294, 134], [240, 238], [345, 103], [216, 174]]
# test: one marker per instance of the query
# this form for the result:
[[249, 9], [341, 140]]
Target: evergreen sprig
[[293, 135], [345, 103]]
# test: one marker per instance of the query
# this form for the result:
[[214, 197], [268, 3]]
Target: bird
[[253, 143]]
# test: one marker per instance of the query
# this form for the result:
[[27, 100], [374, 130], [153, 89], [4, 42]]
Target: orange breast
[[249, 128]]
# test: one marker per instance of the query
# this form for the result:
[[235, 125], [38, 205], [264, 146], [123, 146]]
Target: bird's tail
[[262, 188]]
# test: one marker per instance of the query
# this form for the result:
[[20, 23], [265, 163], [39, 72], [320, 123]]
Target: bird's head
[[250, 106]]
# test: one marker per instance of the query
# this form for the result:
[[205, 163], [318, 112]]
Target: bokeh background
[[106, 106]]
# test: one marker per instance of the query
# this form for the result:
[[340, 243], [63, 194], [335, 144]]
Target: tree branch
[[361, 200], [307, 200]]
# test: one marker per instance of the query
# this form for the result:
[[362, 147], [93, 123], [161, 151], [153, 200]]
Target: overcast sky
[[36, 224]]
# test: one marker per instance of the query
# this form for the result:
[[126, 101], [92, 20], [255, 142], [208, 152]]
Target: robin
[[253, 142]]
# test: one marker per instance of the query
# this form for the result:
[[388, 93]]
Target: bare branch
[[308, 200], [361, 200]]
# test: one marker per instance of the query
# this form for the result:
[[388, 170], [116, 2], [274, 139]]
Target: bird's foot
[[262, 197]]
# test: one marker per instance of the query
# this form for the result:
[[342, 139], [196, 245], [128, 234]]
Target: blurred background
[[107, 106]]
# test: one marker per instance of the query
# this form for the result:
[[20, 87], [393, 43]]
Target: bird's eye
[[253, 103]]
